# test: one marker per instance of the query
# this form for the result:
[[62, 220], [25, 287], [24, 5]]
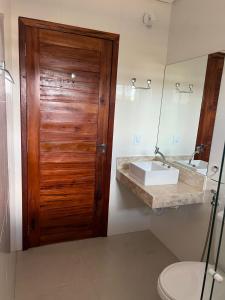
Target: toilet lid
[[182, 281]]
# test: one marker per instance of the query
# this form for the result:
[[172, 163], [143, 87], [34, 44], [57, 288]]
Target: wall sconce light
[[133, 82]]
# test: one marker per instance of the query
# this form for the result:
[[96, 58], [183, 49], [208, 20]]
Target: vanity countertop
[[161, 196]]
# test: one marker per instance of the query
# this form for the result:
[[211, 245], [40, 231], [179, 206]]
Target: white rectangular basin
[[200, 166], [153, 173]]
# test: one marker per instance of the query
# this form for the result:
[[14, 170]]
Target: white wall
[[142, 55], [7, 259], [197, 28]]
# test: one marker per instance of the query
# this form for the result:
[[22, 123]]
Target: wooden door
[[68, 78]]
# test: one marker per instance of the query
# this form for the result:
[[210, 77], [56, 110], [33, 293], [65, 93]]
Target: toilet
[[183, 280]]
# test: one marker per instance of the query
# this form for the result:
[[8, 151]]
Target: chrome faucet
[[161, 154], [199, 149]]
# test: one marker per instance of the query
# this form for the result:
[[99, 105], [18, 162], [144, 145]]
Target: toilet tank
[[219, 220]]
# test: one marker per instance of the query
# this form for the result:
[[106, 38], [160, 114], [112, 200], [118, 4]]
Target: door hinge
[[25, 49], [102, 148], [98, 197], [98, 194], [33, 224]]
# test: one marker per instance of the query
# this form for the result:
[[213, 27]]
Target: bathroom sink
[[153, 173], [197, 165]]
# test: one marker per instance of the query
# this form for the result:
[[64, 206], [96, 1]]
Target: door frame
[[114, 38], [210, 98]]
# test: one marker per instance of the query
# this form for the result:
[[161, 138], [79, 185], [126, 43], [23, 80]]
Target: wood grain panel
[[67, 64], [212, 85], [74, 204], [63, 169], [65, 147], [74, 41], [59, 220], [71, 224], [80, 179], [85, 87], [33, 136], [71, 177], [103, 122], [76, 108], [65, 59], [40, 24], [79, 188], [67, 95], [23, 108], [66, 157], [57, 200], [59, 116], [66, 168], [66, 127], [64, 77], [80, 133]]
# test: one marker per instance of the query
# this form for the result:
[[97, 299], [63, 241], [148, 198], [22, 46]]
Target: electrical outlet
[[175, 140], [137, 139]]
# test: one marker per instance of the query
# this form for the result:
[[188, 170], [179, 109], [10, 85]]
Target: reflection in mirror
[[188, 110]]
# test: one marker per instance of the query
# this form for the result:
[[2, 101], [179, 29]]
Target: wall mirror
[[188, 110]]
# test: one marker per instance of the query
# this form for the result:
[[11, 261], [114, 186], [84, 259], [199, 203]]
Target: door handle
[[102, 148]]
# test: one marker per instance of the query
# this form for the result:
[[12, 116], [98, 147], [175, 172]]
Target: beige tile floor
[[121, 267]]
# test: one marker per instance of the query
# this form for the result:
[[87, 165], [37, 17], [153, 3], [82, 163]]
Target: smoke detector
[[148, 19]]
